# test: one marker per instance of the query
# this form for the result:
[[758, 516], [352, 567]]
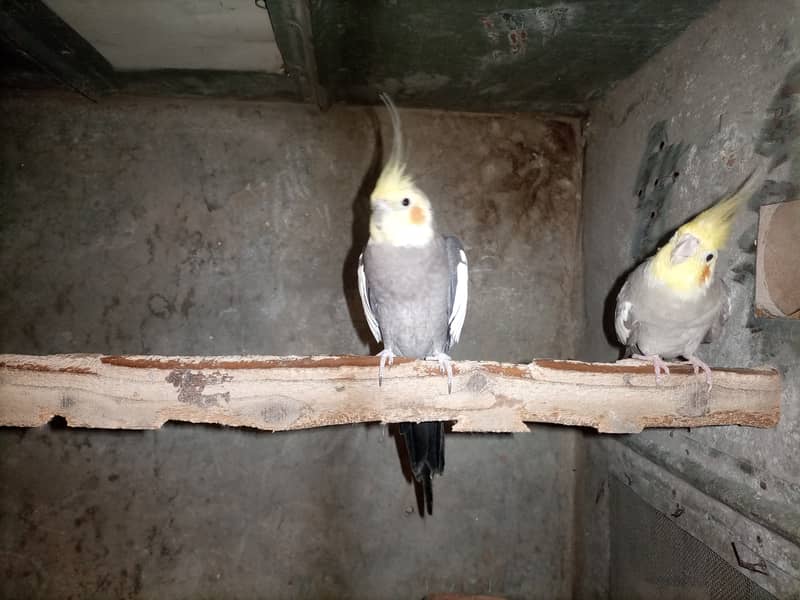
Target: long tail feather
[[425, 445]]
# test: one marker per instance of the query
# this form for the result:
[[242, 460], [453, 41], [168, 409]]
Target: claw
[[658, 364], [445, 366], [697, 366], [386, 356]]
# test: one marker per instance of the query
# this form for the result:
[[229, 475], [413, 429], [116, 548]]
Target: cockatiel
[[413, 286], [673, 301]]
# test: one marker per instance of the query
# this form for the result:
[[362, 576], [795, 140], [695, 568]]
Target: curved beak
[[380, 208]]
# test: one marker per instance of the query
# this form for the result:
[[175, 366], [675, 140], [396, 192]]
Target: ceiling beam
[[41, 36], [291, 23]]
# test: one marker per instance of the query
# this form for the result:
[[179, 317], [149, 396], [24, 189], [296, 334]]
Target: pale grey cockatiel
[[413, 286], [674, 300]]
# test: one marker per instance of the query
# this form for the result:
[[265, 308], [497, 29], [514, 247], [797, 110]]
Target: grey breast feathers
[[406, 292]]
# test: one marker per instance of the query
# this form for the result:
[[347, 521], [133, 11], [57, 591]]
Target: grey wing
[[458, 268], [625, 316], [363, 291], [719, 322]]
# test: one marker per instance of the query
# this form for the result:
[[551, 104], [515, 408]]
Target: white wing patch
[[364, 293], [620, 318], [459, 310]]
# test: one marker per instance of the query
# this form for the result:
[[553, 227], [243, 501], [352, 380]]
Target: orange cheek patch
[[705, 274], [417, 215]]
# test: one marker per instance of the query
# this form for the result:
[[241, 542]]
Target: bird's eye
[[709, 257], [406, 201]]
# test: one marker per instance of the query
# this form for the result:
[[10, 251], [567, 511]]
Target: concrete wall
[[664, 144], [135, 226]]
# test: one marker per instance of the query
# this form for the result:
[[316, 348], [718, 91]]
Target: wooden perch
[[279, 393]]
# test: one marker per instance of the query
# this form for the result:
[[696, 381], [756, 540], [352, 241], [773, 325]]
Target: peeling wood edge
[[718, 418], [40, 363], [619, 367], [601, 425], [289, 362], [43, 368]]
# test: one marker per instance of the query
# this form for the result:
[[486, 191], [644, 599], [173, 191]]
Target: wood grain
[[282, 393]]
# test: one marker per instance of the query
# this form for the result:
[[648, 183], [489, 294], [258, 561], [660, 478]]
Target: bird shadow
[[405, 466], [777, 140], [405, 463], [360, 236], [610, 307]]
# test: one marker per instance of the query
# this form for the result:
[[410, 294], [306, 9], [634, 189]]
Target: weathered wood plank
[[282, 393]]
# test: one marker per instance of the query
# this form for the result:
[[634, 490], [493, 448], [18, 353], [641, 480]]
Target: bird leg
[[658, 364], [698, 365], [386, 356], [445, 366]]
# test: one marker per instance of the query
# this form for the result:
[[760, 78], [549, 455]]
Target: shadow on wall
[[360, 235], [609, 308], [405, 464], [779, 139], [659, 169]]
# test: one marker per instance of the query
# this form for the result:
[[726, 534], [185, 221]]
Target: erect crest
[[393, 177], [712, 226]]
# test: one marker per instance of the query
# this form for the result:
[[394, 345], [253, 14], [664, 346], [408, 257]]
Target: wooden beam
[[291, 25], [281, 393], [39, 34]]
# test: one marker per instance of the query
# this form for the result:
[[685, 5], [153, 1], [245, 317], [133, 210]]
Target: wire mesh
[[654, 559]]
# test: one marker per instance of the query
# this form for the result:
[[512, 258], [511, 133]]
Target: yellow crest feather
[[393, 177], [713, 226]]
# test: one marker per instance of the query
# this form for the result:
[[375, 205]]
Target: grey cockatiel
[[413, 286], [674, 301]]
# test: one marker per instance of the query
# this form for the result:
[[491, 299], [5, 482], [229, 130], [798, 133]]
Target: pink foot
[[445, 366], [658, 364], [697, 365], [386, 356]]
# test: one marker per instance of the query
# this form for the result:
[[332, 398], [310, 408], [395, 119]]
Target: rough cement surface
[[591, 524], [233, 228], [176, 228], [662, 146], [197, 512]]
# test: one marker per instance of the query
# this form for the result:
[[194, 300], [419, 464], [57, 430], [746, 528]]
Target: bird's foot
[[699, 365], [387, 356], [659, 365], [445, 366]]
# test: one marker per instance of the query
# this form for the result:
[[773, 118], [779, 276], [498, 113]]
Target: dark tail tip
[[425, 445], [427, 485]]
